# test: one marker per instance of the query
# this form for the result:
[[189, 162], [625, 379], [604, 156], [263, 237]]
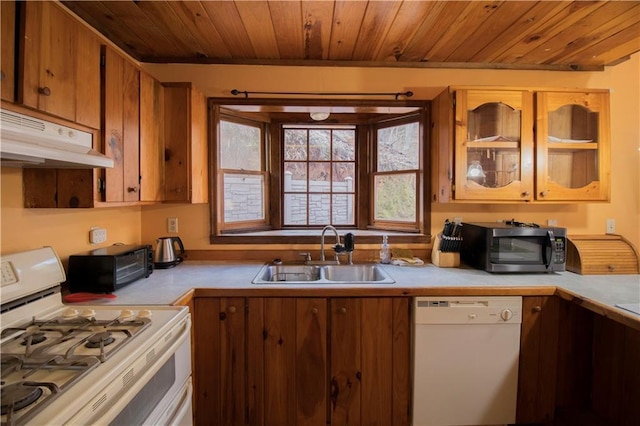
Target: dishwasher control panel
[[468, 310]]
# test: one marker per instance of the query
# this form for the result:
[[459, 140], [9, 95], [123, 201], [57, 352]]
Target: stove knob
[[144, 313], [506, 314], [88, 313], [126, 314], [69, 313]]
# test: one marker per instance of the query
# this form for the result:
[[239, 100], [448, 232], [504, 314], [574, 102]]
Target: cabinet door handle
[[544, 193], [132, 189], [525, 194], [537, 309], [314, 310], [232, 309], [342, 310], [44, 91], [2, 75], [611, 267]]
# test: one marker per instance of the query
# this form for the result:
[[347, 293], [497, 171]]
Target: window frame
[[259, 110], [419, 173]]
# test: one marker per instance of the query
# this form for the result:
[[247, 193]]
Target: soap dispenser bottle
[[385, 251]]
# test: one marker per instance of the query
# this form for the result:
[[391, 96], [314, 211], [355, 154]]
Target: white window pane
[[320, 145], [295, 144], [243, 197], [319, 175], [395, 197], [319, 209], [343, 209], [398, 148], [295, 177], [239, 146], [342, 178], [344, 145], [295, 209]]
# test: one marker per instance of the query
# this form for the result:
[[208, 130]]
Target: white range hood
[[32, 142]]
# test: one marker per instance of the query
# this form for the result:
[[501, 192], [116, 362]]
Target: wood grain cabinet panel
[[219, 358], [538, 360], [185, 144], [151, 138], [309, 361], [121, 106], [59, 64], [8, 50]]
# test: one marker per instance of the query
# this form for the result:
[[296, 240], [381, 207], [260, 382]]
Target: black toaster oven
[[107, 269]]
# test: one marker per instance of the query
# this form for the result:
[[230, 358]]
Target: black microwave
[[513, 247], [107, 269]]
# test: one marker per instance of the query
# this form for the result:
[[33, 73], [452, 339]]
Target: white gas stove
[[87, 364]]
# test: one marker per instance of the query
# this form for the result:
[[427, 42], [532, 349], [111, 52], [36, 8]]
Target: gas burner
[[100, 340], [522, 224], [19, 395], [33, 339]]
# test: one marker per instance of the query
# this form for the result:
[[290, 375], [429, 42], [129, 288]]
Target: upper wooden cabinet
[[486, 140], [121, 133], [151, 138], [8, 50], [572, 145], [59, 64], [185, 144]]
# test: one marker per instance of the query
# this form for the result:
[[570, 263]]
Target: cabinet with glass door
[[572, 146], [493, 145]]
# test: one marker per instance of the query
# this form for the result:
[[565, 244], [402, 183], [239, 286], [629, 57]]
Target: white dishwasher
[[466, 352]]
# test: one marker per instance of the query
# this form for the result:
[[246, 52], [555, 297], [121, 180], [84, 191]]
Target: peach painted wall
[[66, 230], [623, 81]]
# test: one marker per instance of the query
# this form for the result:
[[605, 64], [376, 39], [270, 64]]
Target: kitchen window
[[277, 173], [319, 175]]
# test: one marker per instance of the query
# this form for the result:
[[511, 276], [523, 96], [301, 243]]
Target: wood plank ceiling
[[578, 35]]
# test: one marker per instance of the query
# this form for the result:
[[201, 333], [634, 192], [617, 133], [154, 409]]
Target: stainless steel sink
[[364, 273], [287, 273], [368, 273]]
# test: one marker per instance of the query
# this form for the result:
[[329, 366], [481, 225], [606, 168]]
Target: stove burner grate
[[100, 340], [33, 339], [19, 395]]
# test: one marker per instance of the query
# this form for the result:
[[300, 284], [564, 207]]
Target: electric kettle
[[165, 255]]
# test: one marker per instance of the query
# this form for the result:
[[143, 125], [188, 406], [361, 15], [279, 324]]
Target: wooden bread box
[[601, 254]]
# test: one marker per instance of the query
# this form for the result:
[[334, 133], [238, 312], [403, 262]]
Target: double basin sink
[[368, 273]]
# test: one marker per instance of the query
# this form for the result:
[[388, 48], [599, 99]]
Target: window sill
[[312, 236]]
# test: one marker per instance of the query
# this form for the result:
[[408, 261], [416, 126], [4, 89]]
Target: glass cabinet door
[[572, 146], [494, 145]]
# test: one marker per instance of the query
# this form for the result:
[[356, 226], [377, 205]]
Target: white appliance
[[466, 353], [88, 364], [33, 142]]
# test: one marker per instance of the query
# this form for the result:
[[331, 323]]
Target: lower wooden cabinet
[[306, 361], [538, 360]]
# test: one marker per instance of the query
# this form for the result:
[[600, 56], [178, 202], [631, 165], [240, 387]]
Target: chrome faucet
[[339, 248]]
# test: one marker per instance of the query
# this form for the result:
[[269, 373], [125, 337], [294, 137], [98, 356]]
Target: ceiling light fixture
[[319, 115]]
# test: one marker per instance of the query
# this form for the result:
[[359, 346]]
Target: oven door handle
[[548, 251]]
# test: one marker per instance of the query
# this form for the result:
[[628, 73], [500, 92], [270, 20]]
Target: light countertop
[[600, 293]]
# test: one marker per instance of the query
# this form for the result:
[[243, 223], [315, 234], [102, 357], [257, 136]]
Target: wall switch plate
[[611, 226], [97, 235], [172, 224]]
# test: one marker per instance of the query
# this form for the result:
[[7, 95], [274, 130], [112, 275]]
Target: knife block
[[444, 259]]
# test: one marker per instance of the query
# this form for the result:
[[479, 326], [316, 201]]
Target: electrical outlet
[[611, 226], [552, 222], [172, 224], [97, 235]]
